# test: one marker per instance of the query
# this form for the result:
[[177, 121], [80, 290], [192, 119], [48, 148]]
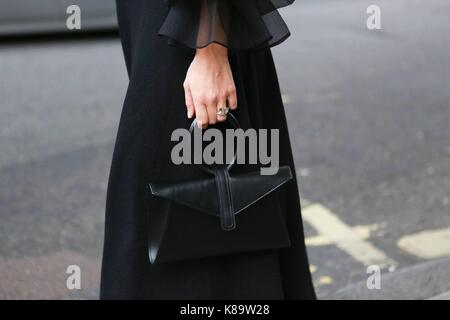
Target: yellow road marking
[[286, 99], [364, 232], [427, 244], [333, 231], [317, 241], [323, 281]]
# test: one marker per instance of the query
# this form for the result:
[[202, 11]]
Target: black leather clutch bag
[[218, 215]]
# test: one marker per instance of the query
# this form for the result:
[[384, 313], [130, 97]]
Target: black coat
[[154, 106]]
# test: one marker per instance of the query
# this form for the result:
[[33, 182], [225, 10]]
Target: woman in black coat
[[220, 50]]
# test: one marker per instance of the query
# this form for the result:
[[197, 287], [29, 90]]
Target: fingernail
[[199, 124], [188, 114]]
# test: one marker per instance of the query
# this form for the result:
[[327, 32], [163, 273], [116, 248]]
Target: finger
[[232, 99], [201, 115], [189, 102], [212, 113]]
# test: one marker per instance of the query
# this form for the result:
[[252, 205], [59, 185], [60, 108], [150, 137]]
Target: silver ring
[[223, 111]]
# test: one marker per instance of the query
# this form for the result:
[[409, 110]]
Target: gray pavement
[[404, 284], [368, 113]]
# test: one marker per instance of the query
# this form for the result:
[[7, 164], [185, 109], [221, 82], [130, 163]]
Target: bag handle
[[231, 120]]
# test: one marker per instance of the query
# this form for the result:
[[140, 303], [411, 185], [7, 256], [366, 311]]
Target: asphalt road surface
[[369, 118]]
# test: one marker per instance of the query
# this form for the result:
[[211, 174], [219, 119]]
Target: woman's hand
[[209, 85]]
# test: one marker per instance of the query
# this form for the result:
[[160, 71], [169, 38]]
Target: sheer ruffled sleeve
[[236, 24]]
